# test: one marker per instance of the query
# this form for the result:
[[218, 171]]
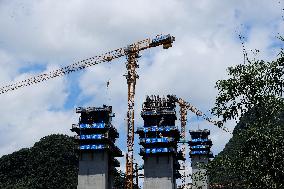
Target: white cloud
[[33, 112], [7, 63]]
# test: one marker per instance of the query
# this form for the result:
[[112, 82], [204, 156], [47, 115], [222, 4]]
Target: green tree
[[254, 157]]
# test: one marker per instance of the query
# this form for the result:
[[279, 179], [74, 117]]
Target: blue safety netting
[[93, 136], [92, 147], [94, 125]]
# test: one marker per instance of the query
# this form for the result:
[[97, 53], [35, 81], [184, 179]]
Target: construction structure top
[[200, 144], [157, 111], [95, 131], [160, 135]]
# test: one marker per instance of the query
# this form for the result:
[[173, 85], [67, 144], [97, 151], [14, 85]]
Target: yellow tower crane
[[132, 53], [184, 108]]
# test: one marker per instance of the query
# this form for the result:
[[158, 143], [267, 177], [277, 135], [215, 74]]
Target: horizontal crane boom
[[164, 40]]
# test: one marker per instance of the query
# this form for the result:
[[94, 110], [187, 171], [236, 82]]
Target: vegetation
[[254, 157], [50, 163]]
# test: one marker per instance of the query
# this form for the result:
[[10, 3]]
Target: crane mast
[[132, 52], [183, 120], [131, 76]]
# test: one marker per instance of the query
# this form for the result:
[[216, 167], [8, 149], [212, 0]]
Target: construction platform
[[200, 154], [159, 138], [96, 138]]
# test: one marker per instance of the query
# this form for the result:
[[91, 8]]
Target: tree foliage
[[254, 157], [256, 86]]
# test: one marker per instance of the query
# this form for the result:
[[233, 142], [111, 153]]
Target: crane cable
[[108, 95], [198, 113], [193, 109]]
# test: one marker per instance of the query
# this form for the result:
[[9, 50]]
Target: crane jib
[[165, 40]]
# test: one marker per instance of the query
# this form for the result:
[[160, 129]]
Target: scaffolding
[[200, 153], [95, 139], [159, 138]]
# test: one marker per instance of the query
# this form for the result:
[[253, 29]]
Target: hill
[[253, 157], [51, 163]]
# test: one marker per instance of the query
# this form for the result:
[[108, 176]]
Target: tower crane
[[183, 120], [184, 108], [132, 53]]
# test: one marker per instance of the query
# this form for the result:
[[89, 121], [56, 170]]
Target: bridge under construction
[[159, 138]]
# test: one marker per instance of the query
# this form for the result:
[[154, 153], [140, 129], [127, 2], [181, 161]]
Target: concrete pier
[[158, 139], [200, 153], [159, 172], [96, 138], [93, 171]]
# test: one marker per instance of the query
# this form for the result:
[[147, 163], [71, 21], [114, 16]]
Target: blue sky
[[37, 36]]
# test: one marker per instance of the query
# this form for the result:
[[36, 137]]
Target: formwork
[[158, 138], [96, 147], [200, 153]]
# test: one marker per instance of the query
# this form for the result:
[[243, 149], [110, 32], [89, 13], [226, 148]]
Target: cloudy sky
[[36, 36]]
